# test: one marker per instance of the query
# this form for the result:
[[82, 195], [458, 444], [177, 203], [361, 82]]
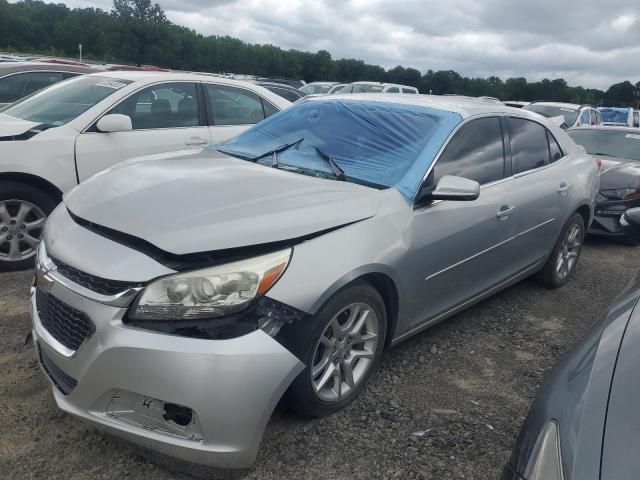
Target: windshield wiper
[[604, 155], [275, 151], [337, 171]]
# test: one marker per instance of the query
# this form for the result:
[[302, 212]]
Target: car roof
[[466, 107], [17, 67], [144, 76], [613, 128], [323, 84], [559, 104]]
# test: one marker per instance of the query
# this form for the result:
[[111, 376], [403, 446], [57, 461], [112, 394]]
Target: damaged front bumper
[[606, 221], [199, 400]]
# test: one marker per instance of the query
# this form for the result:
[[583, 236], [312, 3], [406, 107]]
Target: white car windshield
[[64, 101]]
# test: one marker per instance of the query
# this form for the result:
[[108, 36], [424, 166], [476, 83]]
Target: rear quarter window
[[529, 147]]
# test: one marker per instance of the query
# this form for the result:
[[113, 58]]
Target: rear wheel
[[341, 346], [564, 258], [23, 212]]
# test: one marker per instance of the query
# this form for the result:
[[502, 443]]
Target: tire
[[353, 300], [28, 226], [552, 275]]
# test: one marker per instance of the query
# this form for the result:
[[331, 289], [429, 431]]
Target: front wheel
[[340, 346], [564, 257], [23, 212]]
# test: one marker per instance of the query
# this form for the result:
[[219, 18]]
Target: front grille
[[64, 382], [93, 283], [67, 325]]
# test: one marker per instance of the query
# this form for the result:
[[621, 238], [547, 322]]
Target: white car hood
[[10, 126], [207, 201]]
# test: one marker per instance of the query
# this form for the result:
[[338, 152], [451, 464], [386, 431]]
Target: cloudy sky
[[593, 43]]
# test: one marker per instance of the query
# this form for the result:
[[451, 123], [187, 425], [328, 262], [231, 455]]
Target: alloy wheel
[[345, 351], [21, 224], [569, 251]]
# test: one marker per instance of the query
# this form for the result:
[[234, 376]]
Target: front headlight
[[621, 193], [547, 464], [211, 292]]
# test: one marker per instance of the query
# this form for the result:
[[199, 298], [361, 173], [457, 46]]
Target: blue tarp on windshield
[[615, 115], [382, 143]]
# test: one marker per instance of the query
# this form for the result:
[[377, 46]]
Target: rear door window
[[475, 152], [393, 90], [234, 106], [409, 90], [529, 145]]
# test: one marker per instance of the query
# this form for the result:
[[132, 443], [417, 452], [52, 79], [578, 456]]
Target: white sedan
[[51, 141]]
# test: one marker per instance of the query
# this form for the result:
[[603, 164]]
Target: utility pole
[[80, 47]]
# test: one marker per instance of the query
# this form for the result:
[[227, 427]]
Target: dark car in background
[[618, 151], [20, 79], [584, 424]]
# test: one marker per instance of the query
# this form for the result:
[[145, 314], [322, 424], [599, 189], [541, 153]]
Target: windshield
[[374, 143], [612, 143], [615, 115], [549, 111], [315, 89], [64, 101]]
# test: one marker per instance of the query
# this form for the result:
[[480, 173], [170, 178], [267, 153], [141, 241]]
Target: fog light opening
[[177, 414]]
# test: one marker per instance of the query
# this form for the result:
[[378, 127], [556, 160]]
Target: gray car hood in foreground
[[207, 201]]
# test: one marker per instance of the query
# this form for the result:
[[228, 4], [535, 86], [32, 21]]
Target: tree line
[[138, 32]]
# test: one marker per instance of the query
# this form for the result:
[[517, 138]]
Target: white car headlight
[[547, 464], [210, 292]]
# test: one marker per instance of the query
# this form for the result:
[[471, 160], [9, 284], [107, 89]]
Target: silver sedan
[[179, 296]]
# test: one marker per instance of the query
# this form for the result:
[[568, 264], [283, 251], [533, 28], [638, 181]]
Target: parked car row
[[330, 88]]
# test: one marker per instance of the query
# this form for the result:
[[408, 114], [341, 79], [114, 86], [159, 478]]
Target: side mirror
[[630, 223], [114, 122], [454, 188]]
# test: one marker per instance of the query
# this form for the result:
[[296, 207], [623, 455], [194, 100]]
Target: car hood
[[10, 126], [619, 173], [576, 392], [622, 429], [205, 201]]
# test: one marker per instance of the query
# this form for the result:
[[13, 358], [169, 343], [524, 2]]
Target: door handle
[[504, 212], [196, 141], [564, 188]]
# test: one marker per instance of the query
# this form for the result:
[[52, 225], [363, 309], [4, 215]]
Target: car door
[[165, 117], [231, 110], [462, 249], [544, 184]]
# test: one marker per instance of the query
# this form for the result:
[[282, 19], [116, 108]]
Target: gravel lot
[[464, 386]]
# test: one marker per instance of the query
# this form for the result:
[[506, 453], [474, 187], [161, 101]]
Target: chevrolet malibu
[[178, 298]]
